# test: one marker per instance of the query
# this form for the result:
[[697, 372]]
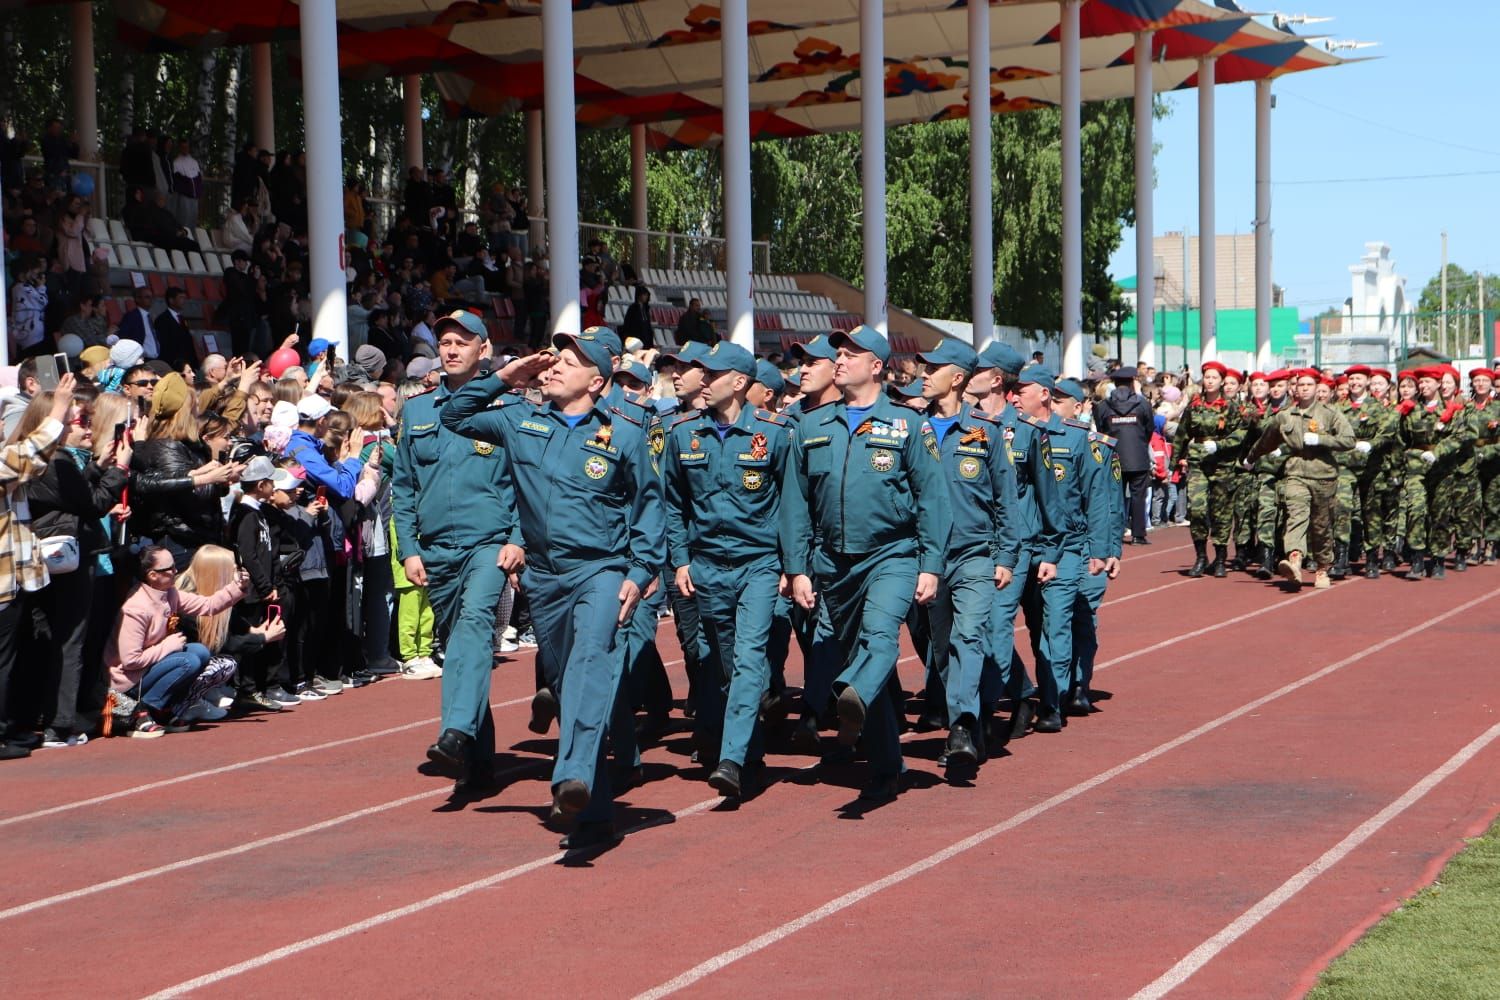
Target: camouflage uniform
[[1257, 505], [1210, 477], [1360, 473], [1242, 485], [1389, 480], [1429, 490], [1311, 474], [1486, 418]]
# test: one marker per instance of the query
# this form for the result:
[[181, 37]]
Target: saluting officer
[[591, 526], [875, 492], [723, 471], [983, 545]]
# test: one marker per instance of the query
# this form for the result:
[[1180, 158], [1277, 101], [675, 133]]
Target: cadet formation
[[830, 510]]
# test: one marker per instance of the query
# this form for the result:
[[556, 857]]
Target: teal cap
[[1039, 375], [769, 376], [727, 356], [632, 368], [951, 352], [816, 349], [688, 353], [1071, 388], [460, 321], [598, 344], [866, 338], [1001, 356]]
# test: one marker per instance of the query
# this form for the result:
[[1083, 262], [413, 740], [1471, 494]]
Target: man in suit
[[1126, 416], [174, 342], [138, 325]]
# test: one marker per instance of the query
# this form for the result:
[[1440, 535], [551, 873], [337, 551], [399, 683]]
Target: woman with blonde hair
[[228, 635]]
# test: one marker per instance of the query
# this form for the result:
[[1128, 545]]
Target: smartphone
[[323, 494], [46, 372], [63, 364], [273, 611], [120, 432]]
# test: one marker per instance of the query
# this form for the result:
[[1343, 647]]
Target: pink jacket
[[142, 626]]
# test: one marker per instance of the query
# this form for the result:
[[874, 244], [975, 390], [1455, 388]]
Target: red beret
[[1341, 379], [1381, 372], [1279, 375], [1406, 373], [1238, 376], [1258, 377], [1215, 366], [1485, 372], [1447, 370], [1431, 372], [1358, 370]]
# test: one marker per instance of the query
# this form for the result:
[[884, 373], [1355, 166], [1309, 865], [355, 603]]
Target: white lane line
[[1287, 602], [227, 768], [1144, 593], [1133, 558], [254, 845], [723, 959], [1208, 950]]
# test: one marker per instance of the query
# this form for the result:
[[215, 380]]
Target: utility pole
[[1443, 276], [1486, 331]]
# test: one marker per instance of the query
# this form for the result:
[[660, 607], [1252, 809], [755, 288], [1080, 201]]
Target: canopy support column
[[562, 165], [1262, 224], [1208, 341], [981, 212], [536, 177], [1145, 252], [411, 116], [265, 107], [872, 156], [85, 82], [325, 171], [735, 49], [1072, 193], [639, 217]]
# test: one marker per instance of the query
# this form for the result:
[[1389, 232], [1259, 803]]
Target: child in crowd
[[262, 679]]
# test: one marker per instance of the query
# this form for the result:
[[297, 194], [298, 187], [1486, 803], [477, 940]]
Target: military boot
[[1418, 568], [1267, 563], [1461, 559], [1436, 568], [1217, 569], [1238, 563], [1492, 553], [1388, 562], [1340, 568], [1373, 562], [1200, 546]]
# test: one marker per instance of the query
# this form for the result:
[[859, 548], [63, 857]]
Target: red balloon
[[281, 360]]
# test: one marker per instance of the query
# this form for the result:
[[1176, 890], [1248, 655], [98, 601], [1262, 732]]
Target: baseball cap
[[285, 481], [793, 381], [1039, 375], [420, 367], [769, 376], [313, 408], [460, 321], [257, 470], [598, 344], [951, 352], [1071, 388], [866, 338], [816, 349], [726, 356], [688, 353], [1001, 356], [317, 347], [633, 368], [911, 390]]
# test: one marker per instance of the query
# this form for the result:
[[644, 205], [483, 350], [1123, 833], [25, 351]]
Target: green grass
[[1444, 942]]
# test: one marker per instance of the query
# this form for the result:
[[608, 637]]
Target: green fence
[[1465, 335]]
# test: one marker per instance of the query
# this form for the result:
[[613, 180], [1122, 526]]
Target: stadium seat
[[213, 290], [122, 253], [195, 263], [115, 310], [98, 231], [117, 232], [193, 286], [158, 283], [205, 242], [159, 259], [214, 266], [179, 262]]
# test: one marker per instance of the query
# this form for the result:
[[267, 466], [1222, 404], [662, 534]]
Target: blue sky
[[1422, 107]]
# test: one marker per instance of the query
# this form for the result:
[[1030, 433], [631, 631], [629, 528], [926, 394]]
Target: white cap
[[285, 481], [258, 470], [313, 408]]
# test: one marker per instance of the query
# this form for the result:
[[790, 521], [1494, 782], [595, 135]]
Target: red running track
[[1250, 797]]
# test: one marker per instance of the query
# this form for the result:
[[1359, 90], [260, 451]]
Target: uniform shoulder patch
[[978, 414], [769, 417], [1077, 423], [1023, 418], [682, 420], [621, 413]]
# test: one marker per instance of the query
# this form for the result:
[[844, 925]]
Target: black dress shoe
[[652, 728], [570, 797], [1020, 719], [626, 778], [961, 749], [805, 738], [851, 716], [543, 711], [451, 753], [1049, 722], [478, 781], [884, 789], [593, 833], [9, 751], [775, 706], [385, 668], [1140, 540], [726, 779], [24, 740], [931, 720], [1079, 704]]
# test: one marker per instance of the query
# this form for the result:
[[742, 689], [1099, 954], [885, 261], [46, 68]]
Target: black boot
[[1461, 560], [1217, 569], [1418, 568], [1435, 568], [1340, 567], [1492, 553], [1388, 562], [1373, 562], [1267, 563], [1200, 545], [1238, 563]]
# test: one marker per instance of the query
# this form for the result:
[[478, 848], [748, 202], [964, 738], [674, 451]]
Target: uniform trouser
[[1210, 496], [1489, 489], [1309, 518], [1369, 490], [1246, 491], [65, 602], [958, 622], [414, 623], [1091, 587], [779, 642], [735, 603], [583, 658], [868, 596], [821, 656], [1414, 507], [645, 685], [689, 638], [1135, 487], [464, 586], [1005, 675], [1450, 499], [1049, 616], [1267, 507], [1469, 507], [1346, 507]]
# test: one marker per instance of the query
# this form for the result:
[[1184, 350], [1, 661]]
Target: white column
[[1208, 341], [325, 171], [562, 164], [1145, 253], [536, 177], [1072, 194], [981, 212], [872, 156], [265, 106], [85, 82], [734, 47], [1262, 224], [639, 217], [411, 117]]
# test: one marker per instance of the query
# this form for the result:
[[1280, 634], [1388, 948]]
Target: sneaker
[[143, 727], [359, 679], [509, 645], [201, 711], [257, 702], [421, 669], [222, 696], [327, 687], [509, 633], [280, 694], [53, 740], [527, 639], [306, 692], [385, 668]]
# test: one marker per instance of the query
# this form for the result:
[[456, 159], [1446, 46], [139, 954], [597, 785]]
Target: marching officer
[[874, 491], [1210, 424], [1375, 426], [591, 528]]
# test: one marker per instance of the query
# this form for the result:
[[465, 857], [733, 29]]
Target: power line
[[1392, 177], [1391, 128]]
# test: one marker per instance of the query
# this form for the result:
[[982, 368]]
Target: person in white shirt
[[239, 228], [28, 304]]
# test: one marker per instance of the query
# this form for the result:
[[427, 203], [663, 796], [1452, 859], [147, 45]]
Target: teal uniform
[[985, 534], [591, 517], [722, 501], [454, 506], [1091, 587], [874, 497]]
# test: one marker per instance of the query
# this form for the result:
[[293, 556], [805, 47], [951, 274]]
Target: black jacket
[[174, 342], [67, 500], [255, 545], [165, 503], [1126, 416], [638, 324]]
